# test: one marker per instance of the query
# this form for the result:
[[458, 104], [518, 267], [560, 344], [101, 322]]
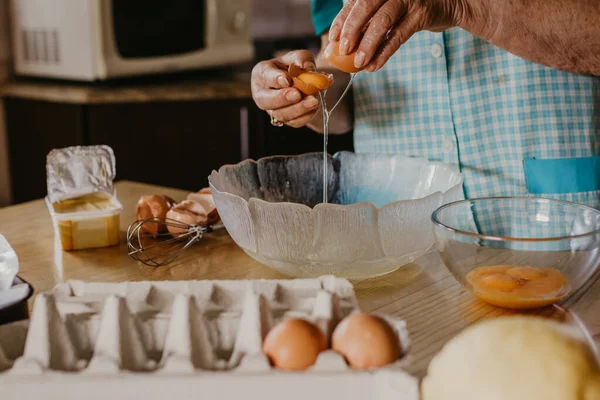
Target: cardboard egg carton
[[185, 340]]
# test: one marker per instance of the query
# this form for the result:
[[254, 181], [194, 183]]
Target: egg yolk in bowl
[[518, 287]]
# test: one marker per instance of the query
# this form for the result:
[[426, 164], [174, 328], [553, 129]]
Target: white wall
[[5, 194]]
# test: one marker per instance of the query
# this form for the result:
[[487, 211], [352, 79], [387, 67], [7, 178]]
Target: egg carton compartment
[[185, 339]]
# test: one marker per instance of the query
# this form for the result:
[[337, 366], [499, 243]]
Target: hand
[[388, 24], [272, 89]]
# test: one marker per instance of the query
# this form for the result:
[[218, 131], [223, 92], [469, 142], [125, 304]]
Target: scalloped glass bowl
[[376, 220]]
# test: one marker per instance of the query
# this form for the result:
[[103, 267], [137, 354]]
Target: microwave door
[[145, 29]]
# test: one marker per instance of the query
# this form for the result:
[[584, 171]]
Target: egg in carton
[[186, 339]]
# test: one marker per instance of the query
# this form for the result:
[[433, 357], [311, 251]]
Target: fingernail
[[283, 81], [359, 60], [344, 44], [334, 33], [309, 65], [310, 102], [292, 95]]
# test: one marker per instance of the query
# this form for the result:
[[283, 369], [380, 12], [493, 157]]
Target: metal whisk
[[160, 248]]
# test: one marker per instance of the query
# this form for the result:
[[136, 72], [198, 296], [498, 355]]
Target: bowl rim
[[459, 175], [437, 222]]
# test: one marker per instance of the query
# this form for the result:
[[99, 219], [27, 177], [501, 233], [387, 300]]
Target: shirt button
[[448, 145], [436, 50]]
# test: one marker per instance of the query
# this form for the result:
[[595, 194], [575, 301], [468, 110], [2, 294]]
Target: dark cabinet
[[169, 143], [286, 140], [34, 128]]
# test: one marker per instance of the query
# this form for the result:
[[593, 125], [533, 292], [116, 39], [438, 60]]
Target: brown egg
[[309, 82], [187, 212], [366, 341], [205, 199], [154, 206], [343, 63], [294, 344]]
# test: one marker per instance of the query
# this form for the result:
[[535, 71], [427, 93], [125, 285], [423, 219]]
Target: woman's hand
[[377, 28], [272, 90]]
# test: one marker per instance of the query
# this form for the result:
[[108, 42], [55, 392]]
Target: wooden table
[[434, 305]]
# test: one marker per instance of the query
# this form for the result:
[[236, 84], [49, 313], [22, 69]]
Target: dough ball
[[514, 358]]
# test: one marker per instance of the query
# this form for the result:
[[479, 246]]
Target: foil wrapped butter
[[81, 197], [76, 171]]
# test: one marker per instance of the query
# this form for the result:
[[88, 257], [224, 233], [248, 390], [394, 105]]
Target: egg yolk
[[309, 82], [344, 63], [317, 79], [518, 287]]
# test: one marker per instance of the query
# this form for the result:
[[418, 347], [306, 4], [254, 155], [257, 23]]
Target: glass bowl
[[557, 241], [375, 221]]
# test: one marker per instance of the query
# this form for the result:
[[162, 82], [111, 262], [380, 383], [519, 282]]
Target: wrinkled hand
[[377, 28], [272, 89]]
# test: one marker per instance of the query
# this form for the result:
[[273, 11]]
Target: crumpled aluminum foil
[[76, 171]]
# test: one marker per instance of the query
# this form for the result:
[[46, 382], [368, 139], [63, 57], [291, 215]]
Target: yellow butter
[[86, 222]]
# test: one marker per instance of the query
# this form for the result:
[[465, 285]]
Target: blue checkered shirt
[[455, 98]]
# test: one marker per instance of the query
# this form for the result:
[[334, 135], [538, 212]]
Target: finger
[[302, 58], [335, 30], [399, 35], [267, 74], [269, 99], [302, 120], [379, 26], [356, 22], [295, 111]]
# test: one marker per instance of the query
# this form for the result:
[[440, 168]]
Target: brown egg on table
[[294, 344], [366, 341], [204, 197], [187, 212], [154, 206], [309, 82], [344, 63], [518, 287]]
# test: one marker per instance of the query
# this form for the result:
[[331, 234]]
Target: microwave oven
[[94, 40]]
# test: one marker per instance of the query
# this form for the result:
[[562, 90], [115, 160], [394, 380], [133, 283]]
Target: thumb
[[302, 58]]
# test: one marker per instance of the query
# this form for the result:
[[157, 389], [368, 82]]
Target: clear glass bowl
[[519, 231], [376, 219]]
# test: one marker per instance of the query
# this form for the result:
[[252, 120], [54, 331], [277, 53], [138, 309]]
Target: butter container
[[86, 222], [81, 197]]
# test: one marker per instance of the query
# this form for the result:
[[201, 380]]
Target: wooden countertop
[[210, 86], [432, 302]]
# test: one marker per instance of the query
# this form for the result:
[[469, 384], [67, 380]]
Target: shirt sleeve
[[323, 13]]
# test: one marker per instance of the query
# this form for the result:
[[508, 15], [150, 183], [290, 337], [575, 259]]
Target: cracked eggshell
[[309, 82], [154, 206], [187, 212], [205, 199], [344, 63]]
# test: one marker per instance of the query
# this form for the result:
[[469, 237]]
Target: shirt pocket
[[570, 179]]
